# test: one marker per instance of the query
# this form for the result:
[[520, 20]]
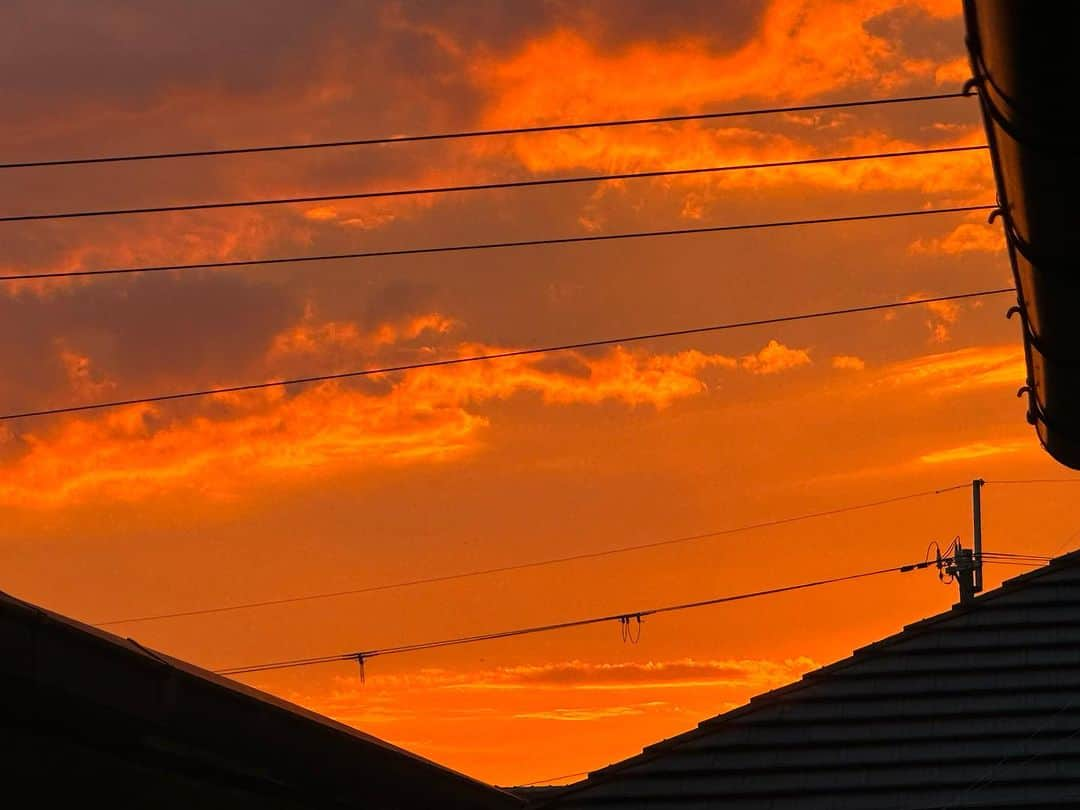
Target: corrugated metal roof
[[83, 707], [978, 707]]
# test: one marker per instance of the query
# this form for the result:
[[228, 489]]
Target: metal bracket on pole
[[963, 569]]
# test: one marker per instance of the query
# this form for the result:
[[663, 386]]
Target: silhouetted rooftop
[[977, 707], [88, 712]]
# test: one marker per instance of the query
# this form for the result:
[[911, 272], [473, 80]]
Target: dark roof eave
[[1021, 57]]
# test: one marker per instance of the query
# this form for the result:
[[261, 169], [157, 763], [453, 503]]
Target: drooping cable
[[476, 246], [542, 563], [551, 779], [502, 185], [482, 133], [547, 628], [476, 358], [1002, 555]]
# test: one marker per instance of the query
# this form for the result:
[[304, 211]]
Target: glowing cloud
[[536, 683], [564, 74], [348, 338], [590, 713], [964, 370], [774, 358], [422, 415], [848, 362], [967, 452], [965, 238]]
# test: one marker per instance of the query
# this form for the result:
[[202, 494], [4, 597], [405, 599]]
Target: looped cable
[[360, 662], [628, 633], [1013, 310], [971, 86], [993, 215], [944, 574]]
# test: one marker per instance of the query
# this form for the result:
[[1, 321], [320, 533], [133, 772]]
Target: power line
[[562, 240], [1006, 558], [541, 563], [363, 655], [624, 618], [553, 779], [480, 133], [457, 640], [547, 628], [1065, 542], [507, 184], [476, 358]]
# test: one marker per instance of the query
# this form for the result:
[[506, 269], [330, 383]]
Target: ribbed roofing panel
[[978, 707]]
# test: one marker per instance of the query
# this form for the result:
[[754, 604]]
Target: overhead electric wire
[[363, 655], [1014, 561], [1072, 536], [476, 358], [1010, 556], [638, 615], [480, 133], [560, 240], [551, 779], [506, 184], [541, 563]]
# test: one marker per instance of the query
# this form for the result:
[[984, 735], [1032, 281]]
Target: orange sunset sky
[[269, 494]]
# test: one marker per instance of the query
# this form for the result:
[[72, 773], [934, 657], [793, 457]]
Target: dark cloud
[[105, 58], [917, 34], [151, 334], [396, 299], [63, 49], [102, 77], [496, 25], [725, 24]]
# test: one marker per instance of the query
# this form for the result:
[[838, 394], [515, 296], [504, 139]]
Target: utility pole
[[966, 564], [976, 537]]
